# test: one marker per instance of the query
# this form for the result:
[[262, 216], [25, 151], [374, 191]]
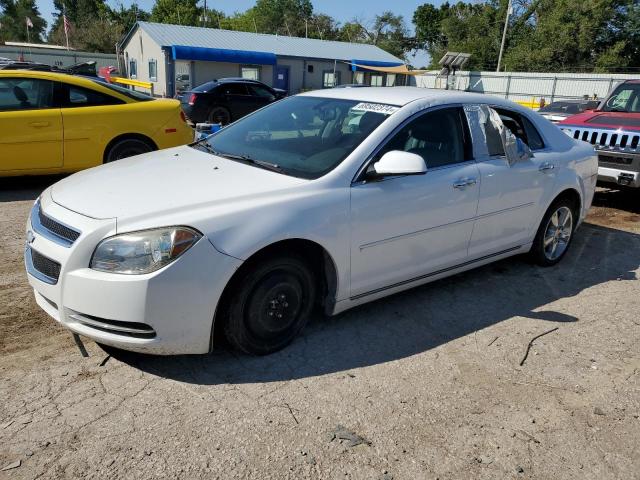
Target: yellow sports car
[[55, 123]]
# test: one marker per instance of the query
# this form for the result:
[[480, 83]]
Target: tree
[[177, 12], [14, 21]]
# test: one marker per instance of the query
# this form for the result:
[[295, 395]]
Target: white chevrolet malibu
[[328, 199]]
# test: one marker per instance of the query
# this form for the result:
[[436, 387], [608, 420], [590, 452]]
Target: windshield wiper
[[243, 158]]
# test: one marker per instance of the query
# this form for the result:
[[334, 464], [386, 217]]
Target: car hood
[[597, 118], [165, 181]]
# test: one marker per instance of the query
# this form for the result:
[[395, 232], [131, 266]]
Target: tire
[[270, 306], [219, 115], [127, 147], [555, 233]]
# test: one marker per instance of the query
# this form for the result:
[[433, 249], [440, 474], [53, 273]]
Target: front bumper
[[621, 168], [169, 311]]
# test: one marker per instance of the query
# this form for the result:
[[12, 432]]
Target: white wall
[[142, 48], [527, 86]]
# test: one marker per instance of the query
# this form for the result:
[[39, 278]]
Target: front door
[[405, 227], [282, 78], [510, 194], [31, 128]]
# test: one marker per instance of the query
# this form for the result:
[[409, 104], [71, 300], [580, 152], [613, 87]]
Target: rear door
[[30, 125], [238, 99], [510, 194]]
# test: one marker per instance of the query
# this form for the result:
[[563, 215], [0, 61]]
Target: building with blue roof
[[176, 57]]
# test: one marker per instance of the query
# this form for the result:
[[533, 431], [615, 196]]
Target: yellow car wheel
[[127, 147]]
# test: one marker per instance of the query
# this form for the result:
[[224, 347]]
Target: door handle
[[464, 182], [39, 124], [546, 166]]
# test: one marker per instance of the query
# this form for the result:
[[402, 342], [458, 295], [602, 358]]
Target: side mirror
[[397, 162]]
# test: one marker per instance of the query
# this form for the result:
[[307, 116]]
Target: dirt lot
[[422, 385]]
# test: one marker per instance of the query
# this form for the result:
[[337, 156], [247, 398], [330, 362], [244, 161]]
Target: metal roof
[[167, 35]]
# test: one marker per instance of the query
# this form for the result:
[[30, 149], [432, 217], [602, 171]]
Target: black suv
[[226, 99]]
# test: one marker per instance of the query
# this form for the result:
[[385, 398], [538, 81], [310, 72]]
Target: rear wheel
[[219, 115], [127, 147], [271, 305], [555, 233]]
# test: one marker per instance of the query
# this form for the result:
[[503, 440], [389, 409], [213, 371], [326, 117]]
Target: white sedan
[[328, 199]]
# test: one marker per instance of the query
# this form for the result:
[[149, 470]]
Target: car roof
[[401, 96]]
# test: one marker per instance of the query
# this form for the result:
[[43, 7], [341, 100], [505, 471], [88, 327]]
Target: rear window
[[138, 96], [205, 87]]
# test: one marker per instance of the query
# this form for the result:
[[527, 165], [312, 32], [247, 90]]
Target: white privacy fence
[[528, 87]]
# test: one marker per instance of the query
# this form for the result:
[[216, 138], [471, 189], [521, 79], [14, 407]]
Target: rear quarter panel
[[89, 130]]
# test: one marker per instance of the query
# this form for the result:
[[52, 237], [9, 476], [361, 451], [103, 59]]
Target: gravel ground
[[422, 385]]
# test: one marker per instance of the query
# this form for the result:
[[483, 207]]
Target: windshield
[[625, 98], [139, 96], [302, 136]]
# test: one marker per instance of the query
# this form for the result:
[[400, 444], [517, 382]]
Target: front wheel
[[271, 306], [554, 234]]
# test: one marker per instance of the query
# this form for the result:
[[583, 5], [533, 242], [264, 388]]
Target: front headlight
[[142, 252]]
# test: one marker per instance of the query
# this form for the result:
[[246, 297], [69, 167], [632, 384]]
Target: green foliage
[[14, 21], [177, 12], [543, 35]]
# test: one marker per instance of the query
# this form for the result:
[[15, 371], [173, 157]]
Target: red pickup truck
[[614, 129]]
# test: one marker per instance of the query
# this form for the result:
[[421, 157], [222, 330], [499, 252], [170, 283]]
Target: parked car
[[288, 209], [614, 129], [560, 110], [227, 99], [55, 123]]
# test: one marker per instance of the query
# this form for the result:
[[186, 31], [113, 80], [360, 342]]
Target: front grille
[[45, 265], [603, 139], [57, 228]]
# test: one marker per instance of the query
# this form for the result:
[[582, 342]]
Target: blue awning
[[371, 63], [180, 52]]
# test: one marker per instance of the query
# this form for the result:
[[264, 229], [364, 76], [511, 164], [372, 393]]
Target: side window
[[258, 91], [133, 69], [234, 89], [153, 70], [494, 139], [25, 94], [440, 137], [522, 128], [83, 97]]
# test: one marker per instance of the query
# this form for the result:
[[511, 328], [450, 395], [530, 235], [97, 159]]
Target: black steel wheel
[[271, 305], [127, 147], [219, 115]]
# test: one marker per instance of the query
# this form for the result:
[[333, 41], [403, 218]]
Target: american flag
[[65, 20], [29, 22]]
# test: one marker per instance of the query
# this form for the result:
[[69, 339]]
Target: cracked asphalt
[[422, 385]]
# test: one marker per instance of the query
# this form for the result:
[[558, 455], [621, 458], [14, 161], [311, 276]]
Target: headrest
[[20, 94]]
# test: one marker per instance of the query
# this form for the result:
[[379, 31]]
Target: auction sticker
[[376, 107]]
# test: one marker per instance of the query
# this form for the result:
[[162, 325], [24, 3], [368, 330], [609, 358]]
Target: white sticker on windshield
[[375, 107]]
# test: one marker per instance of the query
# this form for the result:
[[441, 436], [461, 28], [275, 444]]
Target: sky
[[341, 10]]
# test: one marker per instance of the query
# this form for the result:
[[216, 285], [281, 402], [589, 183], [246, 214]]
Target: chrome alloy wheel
[[558, 233]]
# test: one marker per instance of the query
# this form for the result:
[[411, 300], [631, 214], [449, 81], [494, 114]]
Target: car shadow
[[420, 319], [627, 200], [14, 189]]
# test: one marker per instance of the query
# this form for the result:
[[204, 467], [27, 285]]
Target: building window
[[153, 70], [250, 73], [376, 80], [330, 79], [309, 68], [133, 69], [391, 80], [358, 78]]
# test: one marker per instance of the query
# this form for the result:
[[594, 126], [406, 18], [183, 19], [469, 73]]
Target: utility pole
[[504, 35]]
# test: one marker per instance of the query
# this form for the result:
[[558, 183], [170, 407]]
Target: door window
[[25, 94], [84, 97], [258, 91], [440, 137], [522, 128], [234, 89]]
